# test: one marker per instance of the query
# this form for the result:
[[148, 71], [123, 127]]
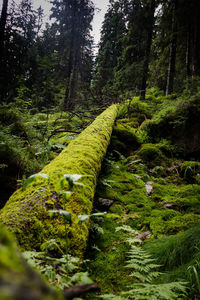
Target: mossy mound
[[190, 171], [26, 212], [14, 119], [136, 111], [124, 139], [17, 279], [179, 122], [151, 155]]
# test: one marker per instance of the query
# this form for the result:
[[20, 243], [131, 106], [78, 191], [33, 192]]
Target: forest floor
[[148, 189]]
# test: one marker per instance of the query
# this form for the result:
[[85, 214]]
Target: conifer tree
[[74, 41], [110, 46]]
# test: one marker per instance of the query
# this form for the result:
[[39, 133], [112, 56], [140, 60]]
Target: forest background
[[53, 82]]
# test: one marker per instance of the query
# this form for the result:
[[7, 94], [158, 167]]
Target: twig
[[80, 290], [61, 131]]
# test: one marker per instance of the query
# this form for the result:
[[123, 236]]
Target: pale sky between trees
[[98, 18]]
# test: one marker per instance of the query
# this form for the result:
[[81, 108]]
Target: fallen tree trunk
[[17, 279], [26, 213]]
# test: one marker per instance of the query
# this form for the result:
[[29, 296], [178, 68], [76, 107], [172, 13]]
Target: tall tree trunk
[[148, 50], [172, 55], [188, 53], [69, 72], [196, 43], [2, 26], [2, 50], [75, 51]]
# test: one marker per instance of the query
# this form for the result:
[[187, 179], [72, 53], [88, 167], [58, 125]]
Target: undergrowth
[[144, 270]]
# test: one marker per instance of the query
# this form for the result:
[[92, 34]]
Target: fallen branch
[[80, 290], [61, 131]]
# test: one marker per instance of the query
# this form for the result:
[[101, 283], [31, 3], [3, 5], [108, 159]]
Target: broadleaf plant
[[32, 178]]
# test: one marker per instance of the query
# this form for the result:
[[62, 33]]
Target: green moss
[[16, 277], [151, 155], [107, 261], [128, 193], [177, 121], [124, 139], [186, 198], [190, 171], [26, 212], [131, 122]]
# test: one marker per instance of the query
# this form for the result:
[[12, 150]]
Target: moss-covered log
[[17, 279], [26, 212]]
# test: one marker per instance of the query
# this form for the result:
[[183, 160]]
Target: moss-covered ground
[[149, 180], [167, 210], [17, 279]]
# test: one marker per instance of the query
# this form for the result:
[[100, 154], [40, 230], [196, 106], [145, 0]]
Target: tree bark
[[172, 55], [2, 26], [74, 57], [148, 50], [188, 53], [196, 43]]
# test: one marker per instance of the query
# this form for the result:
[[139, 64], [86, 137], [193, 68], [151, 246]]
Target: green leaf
[[71, 178], [32, 178], [67, 195], [83, 218], [43, 175], [99, 214], [53, 213], [110, 216], [27, 182], [78, 183], [66, 215]]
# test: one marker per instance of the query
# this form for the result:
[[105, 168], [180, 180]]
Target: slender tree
[[173, 50], [3, 26], [73, 24], [110, 46], [150, 25]]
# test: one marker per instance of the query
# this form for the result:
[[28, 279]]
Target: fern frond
[[144, 270], [165, 291], [141, 277], [113, 297], [127, 229]]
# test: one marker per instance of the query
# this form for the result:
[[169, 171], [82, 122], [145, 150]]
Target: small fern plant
[[144, 271]]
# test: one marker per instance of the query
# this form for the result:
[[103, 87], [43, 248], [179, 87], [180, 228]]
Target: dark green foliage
[[19, 57], [178, 122], [110, 49], [144, 270], [123, 136], [190, 171], [61, 270], [17, 278], [74, 47], [179, 255]]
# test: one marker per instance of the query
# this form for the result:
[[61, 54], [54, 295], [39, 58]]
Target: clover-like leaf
[[71, 178], [52, 213], [83, 218], [99, 214], [64, 213], [32, 178], [67, 195]]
